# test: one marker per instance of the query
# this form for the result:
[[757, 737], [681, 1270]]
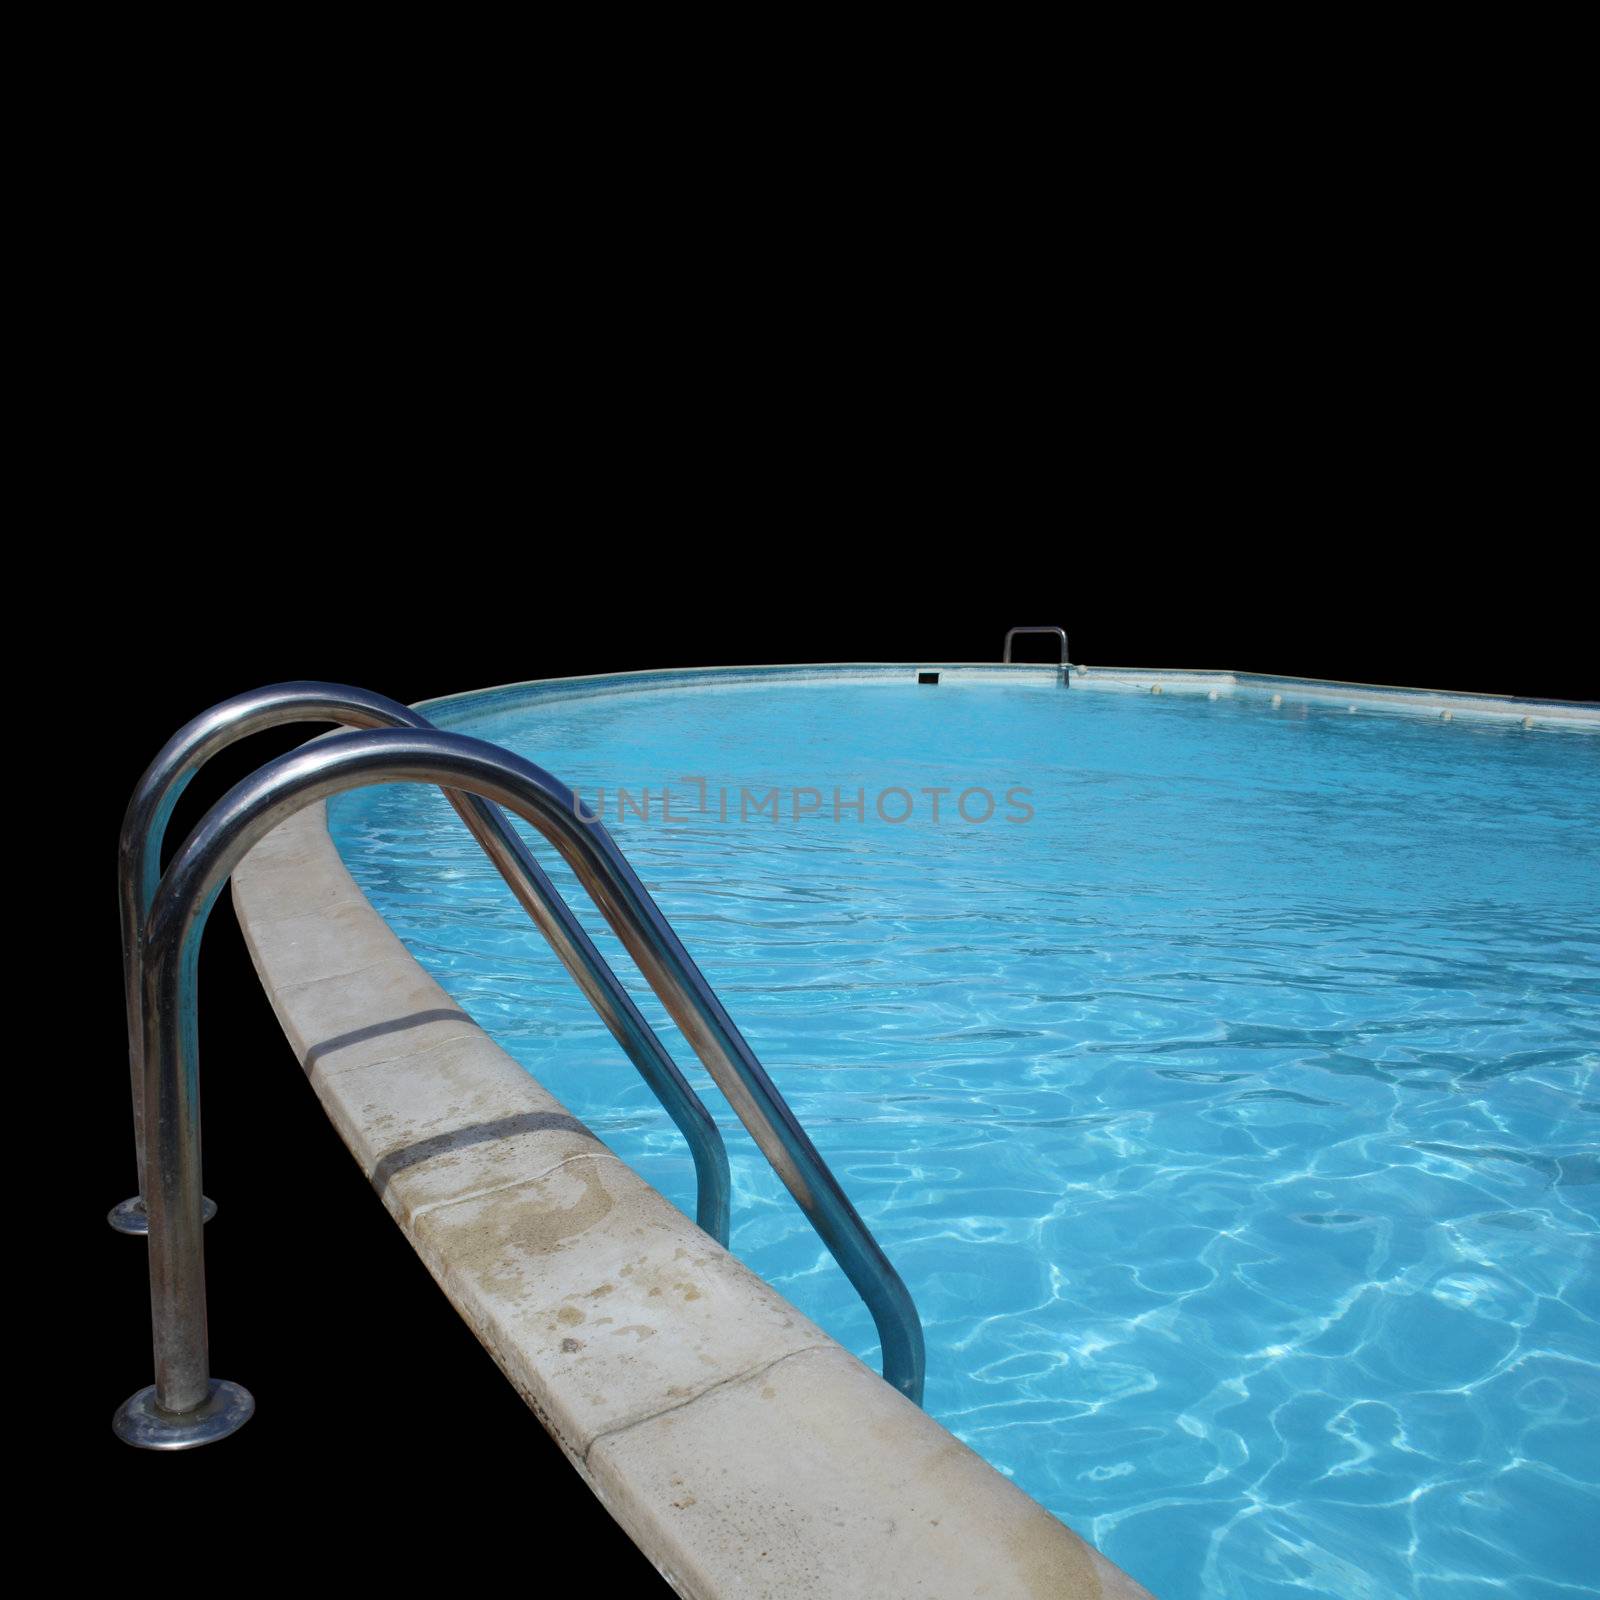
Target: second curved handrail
[[139, 873]]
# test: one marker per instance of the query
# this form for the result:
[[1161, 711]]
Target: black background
[[376, 409], [360, 1368]]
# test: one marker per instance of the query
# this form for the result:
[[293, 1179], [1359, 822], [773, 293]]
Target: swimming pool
[[1225, 1093]]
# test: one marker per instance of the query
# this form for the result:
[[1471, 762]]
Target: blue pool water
[[1233, 1119]]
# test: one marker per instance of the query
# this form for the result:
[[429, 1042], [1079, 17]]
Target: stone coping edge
[[461, 711], [739, 1446]]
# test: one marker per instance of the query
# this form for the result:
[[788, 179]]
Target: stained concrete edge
[[742, 1449]]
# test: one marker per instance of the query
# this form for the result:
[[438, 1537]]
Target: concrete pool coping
[[739, 1446], [459, 710], [1359, 696]]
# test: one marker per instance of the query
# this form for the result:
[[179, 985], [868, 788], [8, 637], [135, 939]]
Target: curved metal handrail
[[1060, 633], [185, 1405], [139, 874]]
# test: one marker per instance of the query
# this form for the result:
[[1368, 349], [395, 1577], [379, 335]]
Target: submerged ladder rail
[[1060, 633], [185, 1405], [139, 876]]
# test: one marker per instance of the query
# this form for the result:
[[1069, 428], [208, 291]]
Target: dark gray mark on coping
[[376, 1030], [411, 1155]]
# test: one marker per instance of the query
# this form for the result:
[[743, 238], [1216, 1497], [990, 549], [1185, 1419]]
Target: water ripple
[[1233, 1122]]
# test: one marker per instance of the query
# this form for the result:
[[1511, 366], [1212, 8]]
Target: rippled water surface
[[1233, 1120]]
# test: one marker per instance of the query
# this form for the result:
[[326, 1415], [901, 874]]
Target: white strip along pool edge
[[742, 1449], [1342, 696], [460, 712]]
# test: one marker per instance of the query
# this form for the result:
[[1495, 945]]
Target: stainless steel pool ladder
[[185, 1406], [1060, 633], [139, 873]]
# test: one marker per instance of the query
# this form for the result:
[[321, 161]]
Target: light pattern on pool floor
[[1233, 1120]]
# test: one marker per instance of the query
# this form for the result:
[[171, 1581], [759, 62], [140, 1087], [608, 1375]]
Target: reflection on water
[[1233, 1121]]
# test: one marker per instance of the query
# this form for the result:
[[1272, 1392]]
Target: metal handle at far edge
[[1060, 633]]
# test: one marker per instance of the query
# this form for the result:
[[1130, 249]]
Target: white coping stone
[[1350, 696], [462, 711], [744, 1450], [860, 1470]]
